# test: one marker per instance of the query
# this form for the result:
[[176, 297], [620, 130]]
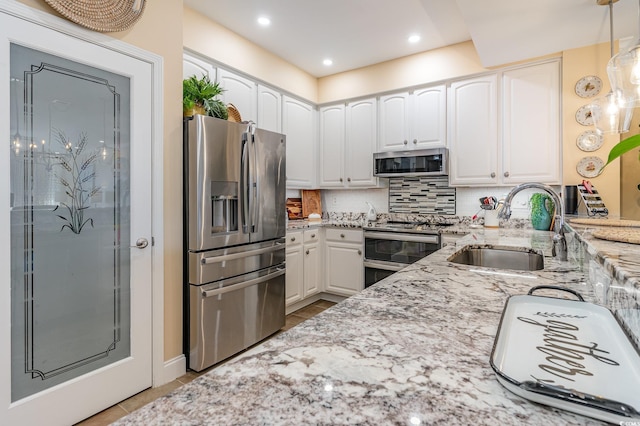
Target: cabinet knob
[[313, 235], [307, 252], [359, 251], [415, 141], [405, 142], [341, 235], [293, 239], [348, 179], [493, 174], [340, 179], [506, 174]]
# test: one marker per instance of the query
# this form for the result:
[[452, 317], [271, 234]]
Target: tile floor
[[117, 411]]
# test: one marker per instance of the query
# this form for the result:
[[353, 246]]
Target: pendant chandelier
[[612, 113], [623, 70]]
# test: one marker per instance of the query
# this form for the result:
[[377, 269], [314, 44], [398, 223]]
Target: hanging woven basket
[[100, 15], [234, 114]]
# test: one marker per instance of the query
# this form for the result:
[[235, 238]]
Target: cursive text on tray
[[564, 353]]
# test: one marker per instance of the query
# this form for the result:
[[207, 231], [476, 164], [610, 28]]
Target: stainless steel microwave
[[423, 162]]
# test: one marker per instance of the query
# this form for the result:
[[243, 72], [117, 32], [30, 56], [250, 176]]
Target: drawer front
[[294, 238], [342, 234], [311, 235]]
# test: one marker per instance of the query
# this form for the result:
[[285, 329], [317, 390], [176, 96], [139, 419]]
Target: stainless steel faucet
[[559, 241]]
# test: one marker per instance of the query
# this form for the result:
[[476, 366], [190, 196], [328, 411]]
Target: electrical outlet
[[335, 200]]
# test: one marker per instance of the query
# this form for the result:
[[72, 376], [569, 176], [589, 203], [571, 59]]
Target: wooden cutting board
[[311, 202], [621, 235], [606, 222]]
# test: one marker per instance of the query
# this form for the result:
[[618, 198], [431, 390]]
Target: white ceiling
[[357, 33]]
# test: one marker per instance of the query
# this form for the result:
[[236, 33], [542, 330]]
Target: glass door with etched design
[[70, 220], [75, 199]]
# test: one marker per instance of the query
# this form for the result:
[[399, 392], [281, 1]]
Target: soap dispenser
[[372, 215]]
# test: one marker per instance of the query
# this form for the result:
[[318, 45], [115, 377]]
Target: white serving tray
[[568, 354]]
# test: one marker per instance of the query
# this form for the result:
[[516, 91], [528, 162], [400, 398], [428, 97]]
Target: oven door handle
[[386, 266], [394, 236]]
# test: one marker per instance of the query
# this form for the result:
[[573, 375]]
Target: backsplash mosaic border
[[422, 195]]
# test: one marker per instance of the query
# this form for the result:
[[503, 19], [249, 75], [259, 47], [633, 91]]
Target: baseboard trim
[[172, 369], [311, 299]]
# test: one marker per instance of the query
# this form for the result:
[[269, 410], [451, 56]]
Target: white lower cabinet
[[304, 264], [344, 251]]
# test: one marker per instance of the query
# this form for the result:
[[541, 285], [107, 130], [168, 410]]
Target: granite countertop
[[412, 349]]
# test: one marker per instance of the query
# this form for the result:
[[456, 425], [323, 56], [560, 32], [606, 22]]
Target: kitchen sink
[[518, 258]]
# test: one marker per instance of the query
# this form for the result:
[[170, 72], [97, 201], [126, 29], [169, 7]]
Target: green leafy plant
[[77, 179], [201, 92], [621, 148]]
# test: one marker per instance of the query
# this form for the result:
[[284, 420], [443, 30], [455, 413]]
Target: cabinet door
[[294, 278], [269, 109], [312, 269], [473, 135], [241, 92], [394, 122], [332, 145], [194, 66], [530, 129], [298, 124], [429, 117], [361, 143], [345, 268]]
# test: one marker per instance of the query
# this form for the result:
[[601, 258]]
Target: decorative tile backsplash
[[422, 195]]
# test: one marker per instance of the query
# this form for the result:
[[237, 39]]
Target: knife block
[[590, 202]]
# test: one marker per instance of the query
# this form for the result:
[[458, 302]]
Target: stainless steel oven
[[389, 250]]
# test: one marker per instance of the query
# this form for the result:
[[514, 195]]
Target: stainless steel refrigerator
[[235, 224]]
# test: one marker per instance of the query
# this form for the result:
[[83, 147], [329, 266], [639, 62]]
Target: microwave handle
[[245, 184]]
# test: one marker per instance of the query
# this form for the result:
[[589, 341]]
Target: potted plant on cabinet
[[199, 96]]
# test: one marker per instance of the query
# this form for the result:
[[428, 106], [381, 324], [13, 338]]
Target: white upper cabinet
[[473, 131], [429, 117], [194, 66], [298, 124], [414, 120], [531, 124], [347, 143], [241, 92], [527, 149], [361, 141], [332, 137], [269, 109], [394, 122]]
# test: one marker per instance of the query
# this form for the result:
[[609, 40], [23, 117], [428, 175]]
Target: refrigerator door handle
[[217, 291], [245, 184], [255, 182], [234, 256]]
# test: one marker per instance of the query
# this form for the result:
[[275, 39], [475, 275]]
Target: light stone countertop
[[412, 349]]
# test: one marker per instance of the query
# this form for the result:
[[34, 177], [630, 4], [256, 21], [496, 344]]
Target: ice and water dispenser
[[224, 207]]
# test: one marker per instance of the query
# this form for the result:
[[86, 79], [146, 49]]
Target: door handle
[[141, 243]]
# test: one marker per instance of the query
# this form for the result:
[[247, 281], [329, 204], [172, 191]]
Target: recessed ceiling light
[[414, 38], [327, 62], [264, 21]]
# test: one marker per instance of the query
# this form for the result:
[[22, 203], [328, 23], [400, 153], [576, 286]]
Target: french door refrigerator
[[235, 223]]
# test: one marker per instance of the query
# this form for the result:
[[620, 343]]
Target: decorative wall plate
[[589, 166], [589, 141], [584, 116], [588, 86]]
